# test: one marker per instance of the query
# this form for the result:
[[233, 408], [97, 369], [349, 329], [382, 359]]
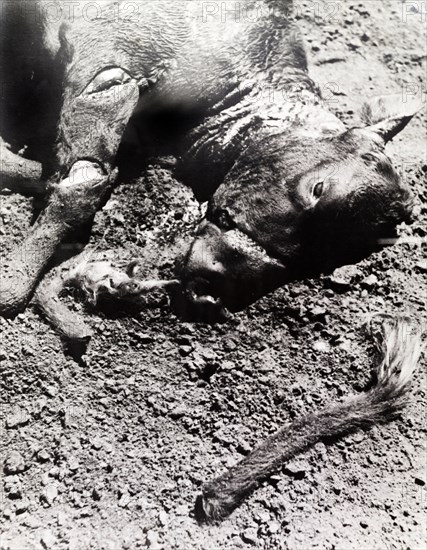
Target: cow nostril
[[200, 286]]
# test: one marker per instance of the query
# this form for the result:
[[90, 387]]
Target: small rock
[[12, 487], [22, 506], [43, 456], [363, 524], [163, 518], [61, 518], [124, 500], [243, 446], [273, 527], [17, 419], [208, 354], [144, 338], [50, 391], [184, 340], [370, 281], [230, 345], [353, 46], [419, 481], [97, 443], [14, 463], [8, 513], [321, 346], [263, 516], [73, 464], [297, 468], [344, 277], [47, 538], [421, 266], [32, 522], [358, 437], [50, 493], [178, 412], [318, 313], [153, 539], [228, 366], [250, 536]]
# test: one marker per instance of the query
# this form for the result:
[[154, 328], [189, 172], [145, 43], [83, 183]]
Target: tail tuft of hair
[[398, 339]]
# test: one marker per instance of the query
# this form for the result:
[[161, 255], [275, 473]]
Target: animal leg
[[18, 174], [71, 204]]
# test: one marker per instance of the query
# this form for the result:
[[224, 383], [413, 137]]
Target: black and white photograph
[[213, 274]]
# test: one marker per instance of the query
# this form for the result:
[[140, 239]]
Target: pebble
[[250, 536], [43, 456], [12, 487], [419, 481], [61, 518], [421, 266], [14, 463], [153, 539], [178, 412], [228, 366], [8, 513], [263, 516], [163, 518], [124, 500], [243, 446], [144, 338], [32, 522], [343, 278], [47, 538], [22, 506], [358, 437], [50, 493], [17, 419], [321, 346], [73, 465], [273, 527], [297, 468], [50, 391], [318, 313], [370, 281], [97, 443]]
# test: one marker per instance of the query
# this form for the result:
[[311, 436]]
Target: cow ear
[[388, 115]]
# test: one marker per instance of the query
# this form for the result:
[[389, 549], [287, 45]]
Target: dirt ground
[[110, 452]]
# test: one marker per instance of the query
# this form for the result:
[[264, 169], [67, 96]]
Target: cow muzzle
[[225, 270]]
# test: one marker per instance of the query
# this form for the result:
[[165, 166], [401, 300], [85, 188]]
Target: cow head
[[294, 206]]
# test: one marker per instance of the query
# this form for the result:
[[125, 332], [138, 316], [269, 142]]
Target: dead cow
[[291, 191]]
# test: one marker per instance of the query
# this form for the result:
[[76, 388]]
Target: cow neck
[[295, 105]]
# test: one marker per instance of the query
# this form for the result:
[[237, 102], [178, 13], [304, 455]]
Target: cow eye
[[318, 190], [107, 79], [223, 220]]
